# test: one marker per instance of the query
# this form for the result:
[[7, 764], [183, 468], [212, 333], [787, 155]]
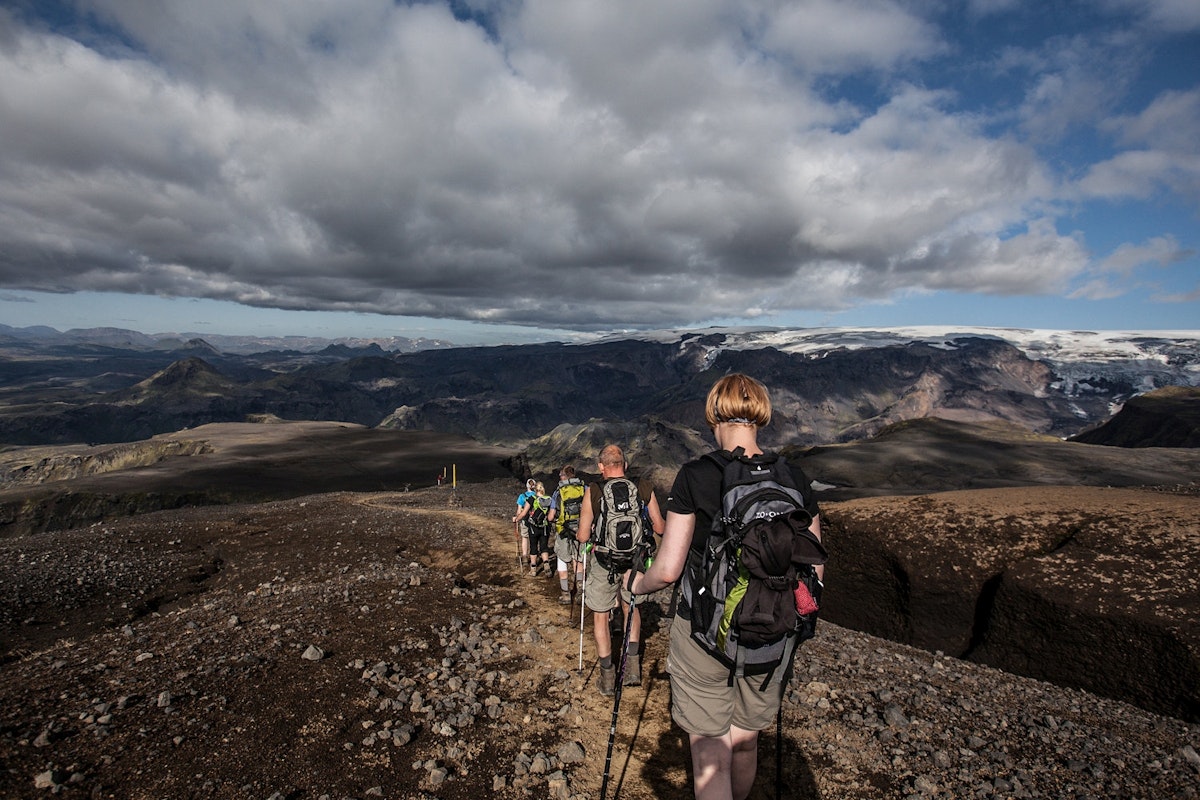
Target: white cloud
[[839, 36], [1128, 258], [1101, 288], [568, 163], [1037, 261], [1178, 297], [1174, 15], [1169, 123], [1171, 16], [1120, 272], [1075, 81], [1165, 151]]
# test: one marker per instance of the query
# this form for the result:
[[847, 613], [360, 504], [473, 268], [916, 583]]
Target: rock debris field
[[353, 645]]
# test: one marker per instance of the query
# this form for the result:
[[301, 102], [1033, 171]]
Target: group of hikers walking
[[741, 536], [546, 526]]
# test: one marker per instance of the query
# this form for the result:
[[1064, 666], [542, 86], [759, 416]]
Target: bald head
[[612, 462], [612, 456]]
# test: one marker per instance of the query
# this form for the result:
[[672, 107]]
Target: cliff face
[[1081, 586]]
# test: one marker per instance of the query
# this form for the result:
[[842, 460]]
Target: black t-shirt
[[697, 490]]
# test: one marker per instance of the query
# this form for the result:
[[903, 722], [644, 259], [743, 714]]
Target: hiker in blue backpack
[[722, 713], [612, 520], [521, 518]]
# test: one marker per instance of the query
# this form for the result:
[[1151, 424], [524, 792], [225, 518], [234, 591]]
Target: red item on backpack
[[805, 604]]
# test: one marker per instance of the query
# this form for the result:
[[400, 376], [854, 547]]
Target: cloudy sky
[[521, 169]]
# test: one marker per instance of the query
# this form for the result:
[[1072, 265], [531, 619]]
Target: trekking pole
[[582, 604], [638, 565], [517, 533], [779, 752], [783, 687]]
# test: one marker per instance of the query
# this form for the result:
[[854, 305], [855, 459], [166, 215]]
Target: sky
[[503, 170]]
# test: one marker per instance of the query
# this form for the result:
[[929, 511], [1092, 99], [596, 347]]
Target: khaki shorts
[[701, 701], [566, 548], [599, 594]]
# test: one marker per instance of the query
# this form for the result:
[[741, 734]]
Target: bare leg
[[724, 767], [603, 636], [745, 761]]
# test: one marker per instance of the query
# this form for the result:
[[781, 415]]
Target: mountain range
[[829, 385]]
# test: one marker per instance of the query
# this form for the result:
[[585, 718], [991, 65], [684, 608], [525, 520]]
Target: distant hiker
[[565, 506], [524, 506], [721, 713], [538, 523], [617, 517]]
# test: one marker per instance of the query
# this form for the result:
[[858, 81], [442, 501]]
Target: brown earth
[[386, 644]]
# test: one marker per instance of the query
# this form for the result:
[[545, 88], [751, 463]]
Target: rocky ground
[[353, 645]]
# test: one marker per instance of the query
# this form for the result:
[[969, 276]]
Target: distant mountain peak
[[192, 375]]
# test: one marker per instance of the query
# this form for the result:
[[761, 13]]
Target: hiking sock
[[606, 662], [565, 585]]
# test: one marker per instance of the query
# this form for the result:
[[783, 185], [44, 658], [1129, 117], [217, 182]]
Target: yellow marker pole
[[454, 473]]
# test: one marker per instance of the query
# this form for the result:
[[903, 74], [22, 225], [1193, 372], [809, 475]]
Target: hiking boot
[[607, 681], [633, 671], [532, 572], [564, 598]]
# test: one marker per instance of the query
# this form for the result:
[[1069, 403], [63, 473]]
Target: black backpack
[[621, 526], [538, 509], [753, 590]]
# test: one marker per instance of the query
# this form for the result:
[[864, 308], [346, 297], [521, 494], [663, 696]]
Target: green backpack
[[570, 504], [538, 509]]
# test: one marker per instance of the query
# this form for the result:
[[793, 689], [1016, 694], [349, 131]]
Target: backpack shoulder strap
[[721, 458]]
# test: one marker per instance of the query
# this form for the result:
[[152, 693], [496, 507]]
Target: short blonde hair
[[541, 489], [737, 398]]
